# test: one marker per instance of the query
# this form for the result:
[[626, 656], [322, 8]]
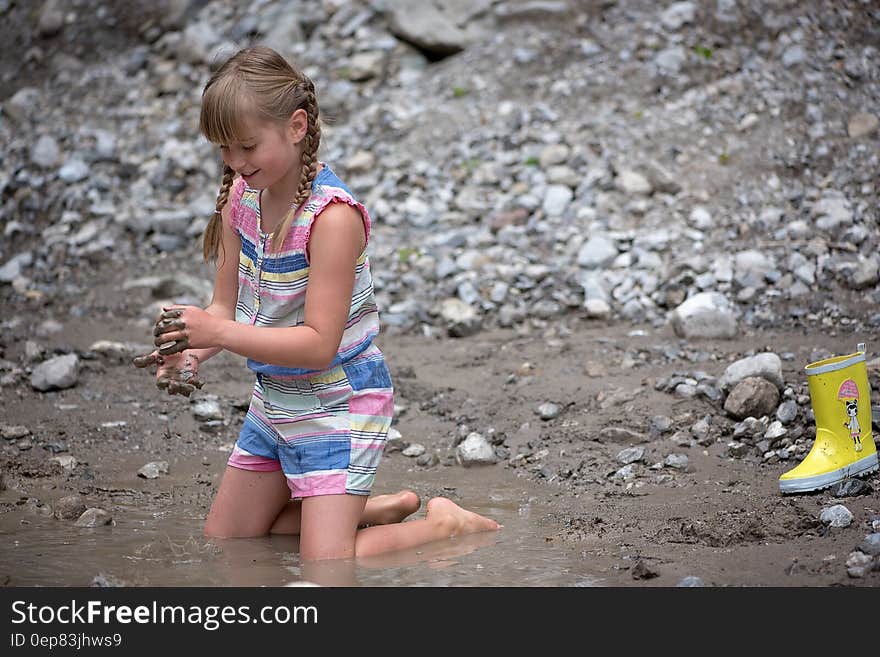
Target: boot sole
[[818, 482]]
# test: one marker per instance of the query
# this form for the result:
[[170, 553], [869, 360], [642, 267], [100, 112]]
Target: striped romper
[[324, 429]]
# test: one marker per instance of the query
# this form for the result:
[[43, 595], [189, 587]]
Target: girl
[[293, 294]]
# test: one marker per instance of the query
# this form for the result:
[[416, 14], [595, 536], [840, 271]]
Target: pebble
[[836, 516], [153, 469], [414, 449], [69, 507], [475, 450], [94, 517]]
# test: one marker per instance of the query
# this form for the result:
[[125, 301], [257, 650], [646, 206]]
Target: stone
[[56, 374], [862, 124], [69, 507], [752, 397], [94, 517], [153, 469], [705, 315], [475, 450]]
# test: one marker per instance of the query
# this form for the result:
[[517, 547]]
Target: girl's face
[[269, 153]]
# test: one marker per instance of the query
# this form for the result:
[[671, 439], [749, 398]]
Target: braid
[[212, 239], [311, 142]]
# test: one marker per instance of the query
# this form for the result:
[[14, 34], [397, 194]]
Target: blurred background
[[524, 162]]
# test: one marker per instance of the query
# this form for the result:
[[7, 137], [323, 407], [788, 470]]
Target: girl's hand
[[178, 374], [185, 327]]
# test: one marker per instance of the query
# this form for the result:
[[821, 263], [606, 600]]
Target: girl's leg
[[329, 527], [443, 519], [247, 503], [379, 510]]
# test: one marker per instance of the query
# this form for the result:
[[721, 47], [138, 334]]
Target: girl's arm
[[337, 239]]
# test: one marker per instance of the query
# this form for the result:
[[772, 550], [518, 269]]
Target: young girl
[[293, 294]]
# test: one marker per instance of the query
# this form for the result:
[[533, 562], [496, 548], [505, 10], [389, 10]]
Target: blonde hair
[[257, 82]]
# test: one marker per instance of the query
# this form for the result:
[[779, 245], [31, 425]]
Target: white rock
[[153, 469], [475, 450], [836, 516], [56, 373], [705, 315]]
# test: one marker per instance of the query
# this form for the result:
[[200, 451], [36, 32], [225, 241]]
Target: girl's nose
[[235, 161]]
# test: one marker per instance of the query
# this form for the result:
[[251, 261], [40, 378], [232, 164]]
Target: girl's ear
[[298, 125]]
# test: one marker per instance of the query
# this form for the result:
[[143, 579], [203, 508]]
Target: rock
[[862, 124], [677, 461], [836, 516], [66, 461], [787, 411], [764, 365], [51, 18], [631, 454], [462, 320], [394, 442], [642, 571], [705, 315], [475, 450], [94, 517], [597, 309], [14, 431], [871, 544], [11, 270], [205, 410], [428, 460], [426, 27], [119, 352], [752, 397], [598, 251], [625, 473], [73, 170], [153, 469], [56, 374], [556, 200], [548, 410], [851, 488], [737, 449], [70, 507], [22, 105], [414, 449], [45, 152], [621, 436], [858, 564], [632, 182], [678, 14]]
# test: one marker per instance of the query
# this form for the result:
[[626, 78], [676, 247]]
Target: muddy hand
[[152, 358], [180, 380], [170, 322]]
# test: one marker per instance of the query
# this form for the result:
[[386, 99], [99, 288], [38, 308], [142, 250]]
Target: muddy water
[[156, 543]]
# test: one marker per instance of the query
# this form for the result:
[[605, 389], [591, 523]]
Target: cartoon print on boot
[[848, 393], [855, 431]]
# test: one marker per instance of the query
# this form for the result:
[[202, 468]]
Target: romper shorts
[[325, 431]]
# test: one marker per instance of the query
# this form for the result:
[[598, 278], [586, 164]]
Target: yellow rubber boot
[[844, 445]]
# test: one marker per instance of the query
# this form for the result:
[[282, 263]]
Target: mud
[[568, 520]]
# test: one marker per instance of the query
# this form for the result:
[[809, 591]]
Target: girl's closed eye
[[249, 147]]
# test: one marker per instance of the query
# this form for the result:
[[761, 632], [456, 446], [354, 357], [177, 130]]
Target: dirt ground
[[722, 519]]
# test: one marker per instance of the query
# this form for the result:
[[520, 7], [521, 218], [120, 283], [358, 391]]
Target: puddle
[[163, 546]]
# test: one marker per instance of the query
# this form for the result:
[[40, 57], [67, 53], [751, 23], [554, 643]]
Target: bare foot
[[461, 521], [389, 509]]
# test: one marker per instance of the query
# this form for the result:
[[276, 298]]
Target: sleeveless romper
[[325, 430]]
